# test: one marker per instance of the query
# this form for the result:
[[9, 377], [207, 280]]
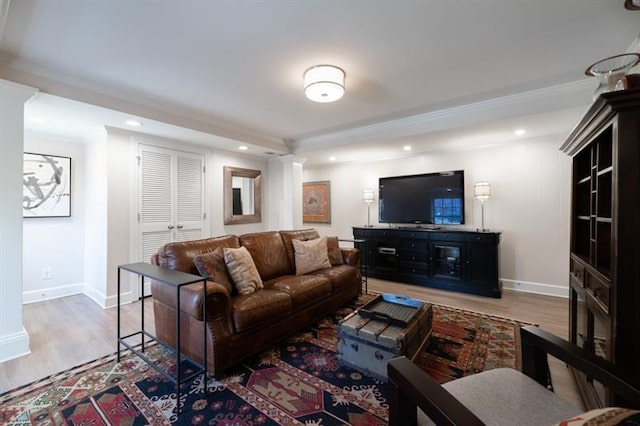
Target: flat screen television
[[430, 198]]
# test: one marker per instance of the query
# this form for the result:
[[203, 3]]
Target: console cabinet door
[[446, 260], [480, 265], [384, 257]]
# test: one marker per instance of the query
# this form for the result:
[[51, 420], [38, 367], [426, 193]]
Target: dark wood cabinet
[[452, 260], [604, 277]]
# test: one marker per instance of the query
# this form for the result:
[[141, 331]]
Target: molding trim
[[107, 302], [96, 296], [634, 47], [4, 13], [52, 293], [535, 288], [566, 95], [104, 96], [14, 345]]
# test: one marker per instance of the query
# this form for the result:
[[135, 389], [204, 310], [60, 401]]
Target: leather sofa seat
[[303, 289], [256, 309], [338, 276], [238, 326]]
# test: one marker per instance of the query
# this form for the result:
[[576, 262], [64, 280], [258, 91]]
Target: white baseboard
[[14, 345], [79, 288], [536, 288], [52, 293], [108, 301]]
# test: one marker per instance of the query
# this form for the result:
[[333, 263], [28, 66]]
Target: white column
[[292, 190], [14, 340]]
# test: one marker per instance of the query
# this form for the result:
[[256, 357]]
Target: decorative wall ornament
[[46, 186], [316, 202]]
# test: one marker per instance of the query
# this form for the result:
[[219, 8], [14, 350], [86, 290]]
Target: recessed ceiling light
[[133, 123], [520, 132], [332, 158], [38, 119], [243, 147], [407, 147]]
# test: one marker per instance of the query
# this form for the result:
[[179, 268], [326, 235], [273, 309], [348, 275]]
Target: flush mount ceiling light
[[632, 4], [324, 83]]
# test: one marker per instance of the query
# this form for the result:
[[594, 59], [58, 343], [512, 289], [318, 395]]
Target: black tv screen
[[430, 198]]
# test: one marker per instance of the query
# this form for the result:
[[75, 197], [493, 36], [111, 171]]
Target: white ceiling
[[433, 73]]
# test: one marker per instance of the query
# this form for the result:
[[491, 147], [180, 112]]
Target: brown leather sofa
[[242, 325]]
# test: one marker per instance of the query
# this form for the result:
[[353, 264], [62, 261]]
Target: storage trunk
[[367, 344]]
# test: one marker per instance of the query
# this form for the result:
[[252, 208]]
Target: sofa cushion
[[311, 255], [340, 277], [335, 254], [212, 266], [268, 253], [608, 416], [502, 396], [179, 255], [303, 289], [259, 308], [302, 235], [242, 270]]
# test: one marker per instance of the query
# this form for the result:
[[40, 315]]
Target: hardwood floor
[[66, 332], [69, 331]]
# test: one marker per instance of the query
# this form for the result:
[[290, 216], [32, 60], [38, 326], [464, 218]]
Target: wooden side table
[[176, 279]]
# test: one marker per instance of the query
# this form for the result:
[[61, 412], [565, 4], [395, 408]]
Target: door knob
[[170, 226], [179, 226]]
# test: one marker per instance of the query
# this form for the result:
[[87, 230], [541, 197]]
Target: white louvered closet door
[[171, 199], [189, 197]]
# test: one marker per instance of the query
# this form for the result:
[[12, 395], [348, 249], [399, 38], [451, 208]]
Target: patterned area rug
[[297, 381]]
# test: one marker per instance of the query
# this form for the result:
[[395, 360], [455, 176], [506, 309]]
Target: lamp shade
[[368, 196], [324, 83], [482, 191]]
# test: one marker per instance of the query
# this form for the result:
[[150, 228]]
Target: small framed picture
[[46, 186], [316, 202]]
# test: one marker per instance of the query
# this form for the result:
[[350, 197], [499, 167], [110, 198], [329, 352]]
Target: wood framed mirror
[[242, 196]]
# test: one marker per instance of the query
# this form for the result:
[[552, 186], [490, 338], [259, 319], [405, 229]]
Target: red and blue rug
[[296, 382]]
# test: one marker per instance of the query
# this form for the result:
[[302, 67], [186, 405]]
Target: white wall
[[215, 176], [121, 189], [530, 203], [56, 243], [95, 236], [119, 163], [14, 340]]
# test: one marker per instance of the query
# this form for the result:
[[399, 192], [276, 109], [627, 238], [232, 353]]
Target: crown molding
[[89, 92], [560, 96], [4, 13], [634, 47]]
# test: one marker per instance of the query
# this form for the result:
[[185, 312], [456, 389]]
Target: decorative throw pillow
[[311, 255], [243, 270], [335, 255], [211, 266], [608, 416]]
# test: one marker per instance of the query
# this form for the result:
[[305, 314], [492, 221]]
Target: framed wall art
[[316, 202], [46, 186]]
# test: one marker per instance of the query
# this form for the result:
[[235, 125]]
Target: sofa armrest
[[409, 386], [351, 256], [537, 343], [191, 302]]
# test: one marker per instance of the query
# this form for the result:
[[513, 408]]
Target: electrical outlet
[[46, 273]]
